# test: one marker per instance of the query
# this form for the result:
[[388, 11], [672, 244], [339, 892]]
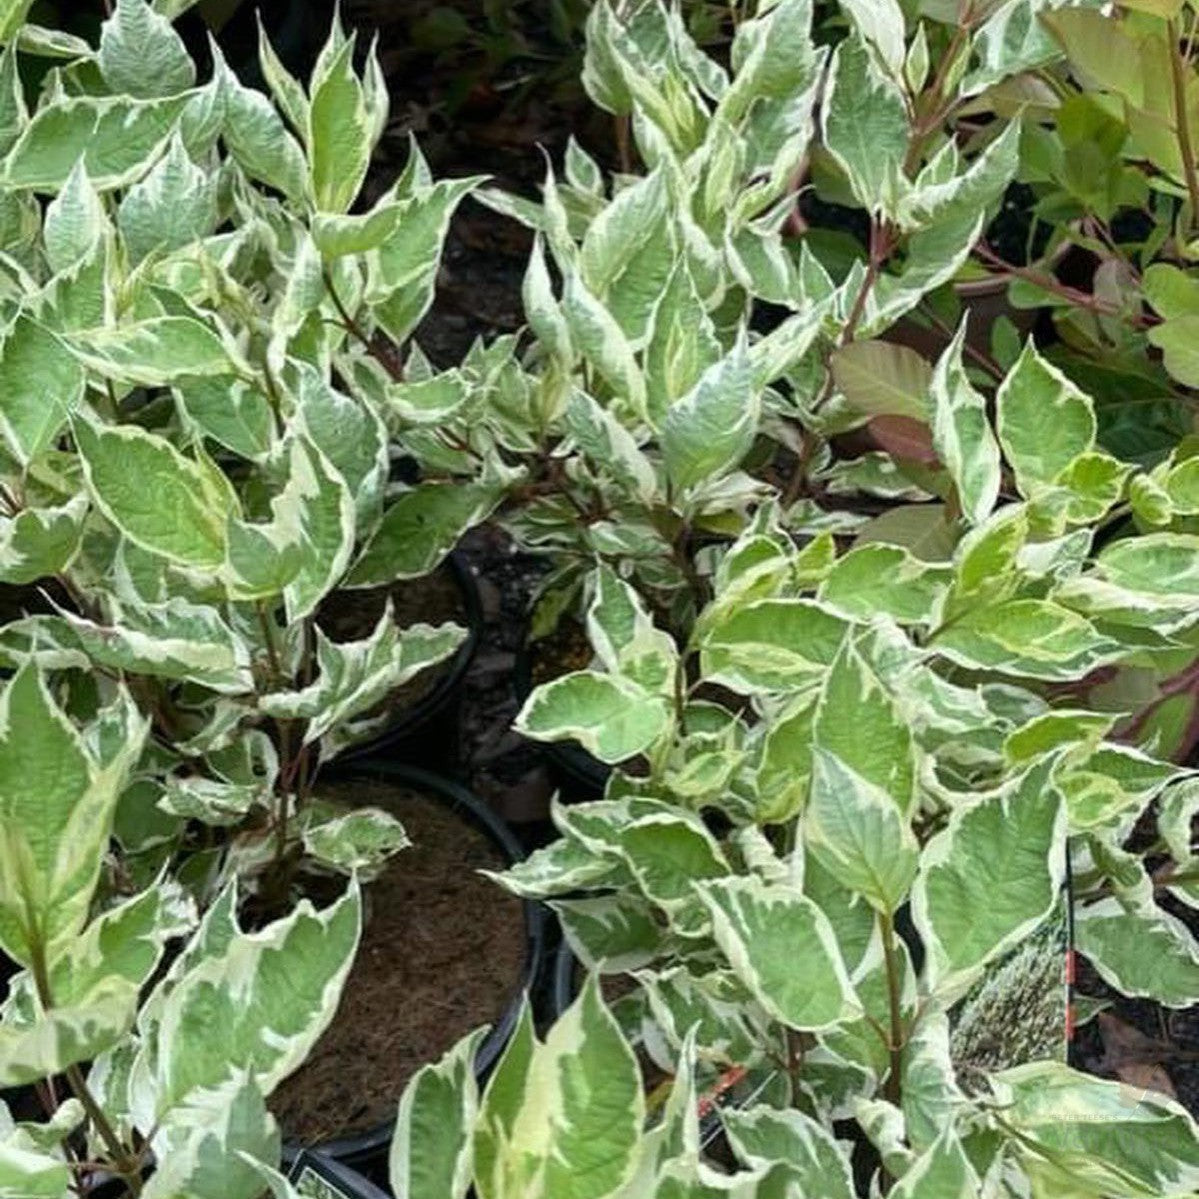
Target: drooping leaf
[[175, 640], [173, 206], [865, 125], [231, 411], [66, 1036], [616, 932], [682, 343], [763, 929], [432, 1150], [881, 378], [1088, 1132], [361, 840], [272, 993], [705, 434], [992, 876], [624, 637], [962, 434], [943, 1171], [611, 716], [859, 722], [420, 528], [597, 336], [116, 138], [324, 511], [160, 500], [878, 578], [353, 676], [39, 542], [338, 133], [28, 1174], [141, 54], [57, 798], [429, 401], [562, 1119], [216, 1145], [1149, 581], [41, 384], [607, 442], [210, 801], [668, 854], [154, 352], [257, 137], [127, 942], [1044, 421], [1145, 953], [859, 834], [1026, 638], [75, 221], [772, 645], [764, 1136]]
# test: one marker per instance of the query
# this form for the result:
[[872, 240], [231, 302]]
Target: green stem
[[287, 774], [796, 1052], [898, 1035], [1185, 146], [267, 625], [351, 326], [123, 1159], [680, 694]]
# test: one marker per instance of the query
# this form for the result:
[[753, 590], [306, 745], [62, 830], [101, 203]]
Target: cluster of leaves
[[205, 376], [190, 473], [185, 454], [567, 1117], [647, 413], [903, 737], [811, 740], [91, 988]]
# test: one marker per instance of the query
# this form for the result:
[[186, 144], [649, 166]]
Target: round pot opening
[[443, 951]]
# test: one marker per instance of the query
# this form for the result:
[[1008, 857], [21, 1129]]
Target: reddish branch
[[1053, 285]]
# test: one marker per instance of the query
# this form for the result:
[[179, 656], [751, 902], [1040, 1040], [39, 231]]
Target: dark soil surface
[[564, 650], [30, 600], [498, 764], [1170, 1037], [442, 952], [1174, 1033]]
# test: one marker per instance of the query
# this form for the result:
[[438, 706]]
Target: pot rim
[[374, 1141]]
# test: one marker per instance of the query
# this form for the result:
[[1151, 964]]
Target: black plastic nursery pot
[[367, 1150], [579, 775], [563, 979], [426, 733]]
